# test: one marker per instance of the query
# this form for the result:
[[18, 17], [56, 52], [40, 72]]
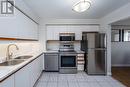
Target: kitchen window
[[126, 35], [116, 35]]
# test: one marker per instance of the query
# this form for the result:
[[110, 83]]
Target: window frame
[[120, 34], [123, 35]]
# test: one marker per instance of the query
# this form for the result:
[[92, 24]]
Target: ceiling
[[122, 22], [62, 9]]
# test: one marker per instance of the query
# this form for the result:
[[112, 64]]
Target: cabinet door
[[62, 29], [71, 29], [26, 28], [35, 70], [54, 30], [51, 62], [18, 26], [59, 29], [56, 33], [90, 28], [8, 26], [77, 30], [50, 32], [22, 78], [9, 82]]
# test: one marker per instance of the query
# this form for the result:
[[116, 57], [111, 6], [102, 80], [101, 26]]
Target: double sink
[[15, 61]]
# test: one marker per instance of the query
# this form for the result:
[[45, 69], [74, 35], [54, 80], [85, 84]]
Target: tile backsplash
[[25, 48], [55, 45]]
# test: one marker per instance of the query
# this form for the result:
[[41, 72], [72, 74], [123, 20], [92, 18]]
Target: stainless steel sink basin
[[11, 62], [23, 57]]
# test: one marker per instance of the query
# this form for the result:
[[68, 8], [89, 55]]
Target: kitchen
[[67, 44], [58, 45]]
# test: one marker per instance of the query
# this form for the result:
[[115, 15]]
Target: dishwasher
[[51, 61]]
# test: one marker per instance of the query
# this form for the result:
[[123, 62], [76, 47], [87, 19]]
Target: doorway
[[120, 51]]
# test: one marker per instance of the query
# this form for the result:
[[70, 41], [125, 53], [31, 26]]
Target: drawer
[[81, 62], [80, 58], [81, 55]]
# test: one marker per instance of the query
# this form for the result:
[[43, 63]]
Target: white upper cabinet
[[50, 32], [90, 28], [18, 26], [54, 30], [27, 28], [77, 30], [60, 29]]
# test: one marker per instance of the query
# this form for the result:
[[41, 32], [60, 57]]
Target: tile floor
[[81, 79]]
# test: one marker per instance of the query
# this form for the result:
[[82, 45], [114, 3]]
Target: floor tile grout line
[[48, 81], [56, 77]]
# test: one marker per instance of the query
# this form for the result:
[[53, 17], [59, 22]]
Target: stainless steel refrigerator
[[94, 46]]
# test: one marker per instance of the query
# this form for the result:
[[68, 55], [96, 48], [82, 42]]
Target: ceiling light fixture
[[82, 6]]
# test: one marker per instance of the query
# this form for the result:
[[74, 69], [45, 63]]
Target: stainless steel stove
[[68, 62], [67, 58]]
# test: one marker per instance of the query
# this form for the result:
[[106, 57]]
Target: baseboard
[[121, 65]]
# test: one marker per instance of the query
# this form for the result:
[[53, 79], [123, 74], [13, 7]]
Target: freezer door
[[100, 40], [91, 40], [96, 40], [96, 60]]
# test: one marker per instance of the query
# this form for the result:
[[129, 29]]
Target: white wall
[[121, 48], [120, 54], [119, 14]]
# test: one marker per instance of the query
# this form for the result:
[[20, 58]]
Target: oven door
[[67, 61]]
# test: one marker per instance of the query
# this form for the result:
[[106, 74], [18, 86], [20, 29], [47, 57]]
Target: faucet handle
[[11, 54]]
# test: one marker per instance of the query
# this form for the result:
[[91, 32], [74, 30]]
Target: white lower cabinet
[[26, 76], [35, 70], [9, 82], [22, 77]]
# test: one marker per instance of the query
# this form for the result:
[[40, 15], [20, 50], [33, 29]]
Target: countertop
[[79, 51], [6, 71]]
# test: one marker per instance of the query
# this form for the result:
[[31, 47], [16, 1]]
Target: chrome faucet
[[8, 55]]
